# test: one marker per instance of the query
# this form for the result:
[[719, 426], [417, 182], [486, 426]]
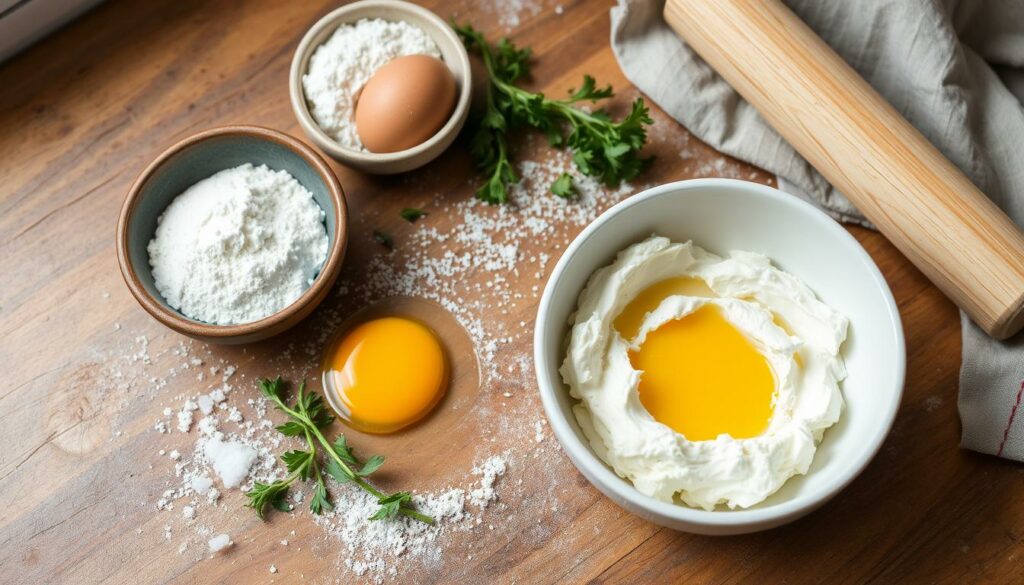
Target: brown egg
[[405, 103]]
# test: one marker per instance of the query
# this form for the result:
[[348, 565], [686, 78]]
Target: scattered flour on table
[[339, 68], [474, 268], [375, 548], [238, 246], [509, 14], [230, 459], [219, 542]]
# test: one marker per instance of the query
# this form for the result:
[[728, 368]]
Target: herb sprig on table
[[602, 147], [307, 419]]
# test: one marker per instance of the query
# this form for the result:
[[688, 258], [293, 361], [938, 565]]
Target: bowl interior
[[452, 53], [198, 161], [722, 215]]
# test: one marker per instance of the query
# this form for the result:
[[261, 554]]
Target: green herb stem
[[309, 414]]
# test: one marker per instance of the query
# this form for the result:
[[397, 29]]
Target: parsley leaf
[[606, 149], [411, 214], [372, 464], [320, 503], [307, 417], [563, 186], [391, 505], [262, 494]]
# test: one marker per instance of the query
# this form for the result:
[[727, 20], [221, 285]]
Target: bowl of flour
[[343, 50], [233, 235]]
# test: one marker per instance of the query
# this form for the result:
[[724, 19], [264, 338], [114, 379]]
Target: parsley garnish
[[563, 186], [307, 418], [411, 214], [602, 147]]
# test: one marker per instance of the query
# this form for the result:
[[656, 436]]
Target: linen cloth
[[953, 68]]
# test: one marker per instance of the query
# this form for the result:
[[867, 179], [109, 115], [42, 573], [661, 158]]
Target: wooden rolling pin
[[922, 202]]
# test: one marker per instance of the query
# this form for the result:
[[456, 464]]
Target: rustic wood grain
[[81, 113]]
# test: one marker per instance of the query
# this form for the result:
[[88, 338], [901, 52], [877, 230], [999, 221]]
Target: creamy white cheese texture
[[750, 292]]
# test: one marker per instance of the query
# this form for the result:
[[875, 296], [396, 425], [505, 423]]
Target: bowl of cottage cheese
[[717, 356]]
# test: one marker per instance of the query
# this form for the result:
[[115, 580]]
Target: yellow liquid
[[388, 373], [632, 317], [700, 376]]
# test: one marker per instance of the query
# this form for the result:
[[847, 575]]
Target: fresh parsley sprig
[[602, 147], [307, 418], [563, 186]]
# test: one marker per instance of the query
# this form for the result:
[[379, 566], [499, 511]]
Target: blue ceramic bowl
[[196, 158]]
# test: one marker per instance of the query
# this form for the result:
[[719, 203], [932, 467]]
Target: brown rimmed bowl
[[196, 158]]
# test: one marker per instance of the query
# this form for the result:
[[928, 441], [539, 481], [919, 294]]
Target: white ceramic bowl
[[452, 52], [721, 215]]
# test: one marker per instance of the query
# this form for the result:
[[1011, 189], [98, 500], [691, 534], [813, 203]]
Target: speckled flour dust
[[486, 264], [227, 428]]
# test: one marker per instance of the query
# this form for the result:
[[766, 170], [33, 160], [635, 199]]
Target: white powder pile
[[339, 68], [374, 548], [219, 543], [230, 459], [238, 246]]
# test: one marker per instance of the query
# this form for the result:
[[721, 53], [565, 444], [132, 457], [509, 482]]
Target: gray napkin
[[952, 67]]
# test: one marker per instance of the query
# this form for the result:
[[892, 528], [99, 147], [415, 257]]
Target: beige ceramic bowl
[[452, 52]]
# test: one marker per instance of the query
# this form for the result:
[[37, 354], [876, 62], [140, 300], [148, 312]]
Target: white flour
[[340, 67], [237, 247]]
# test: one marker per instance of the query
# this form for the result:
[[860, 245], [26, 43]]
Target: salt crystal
[[205, 404], [201, 484], [219, 543], [273, 569], [184, 421], [230, 459], [188, 512], [208, 425], [175, 455]]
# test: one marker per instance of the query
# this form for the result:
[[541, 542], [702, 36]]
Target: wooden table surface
[[80, 474]]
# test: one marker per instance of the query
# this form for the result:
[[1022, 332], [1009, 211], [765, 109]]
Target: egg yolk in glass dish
[[388, 373], [700, 376]]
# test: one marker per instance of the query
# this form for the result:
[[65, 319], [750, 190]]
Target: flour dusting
[[339, 68], [237, 247]]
